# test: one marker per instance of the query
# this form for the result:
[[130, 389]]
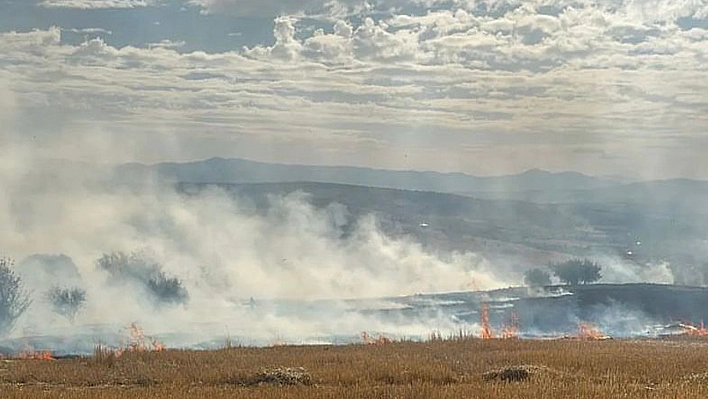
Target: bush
[[139, 268], [168, 289], [537, 278], [67, 301], [14, 300], [577, 271], [133, 266]]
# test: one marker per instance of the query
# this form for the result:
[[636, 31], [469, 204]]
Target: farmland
[[454, 368]]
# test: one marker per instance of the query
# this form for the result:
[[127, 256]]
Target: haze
[[606, 87]]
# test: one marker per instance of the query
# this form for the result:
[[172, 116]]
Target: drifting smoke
[[36, 270], [216, 263], [623, 271]]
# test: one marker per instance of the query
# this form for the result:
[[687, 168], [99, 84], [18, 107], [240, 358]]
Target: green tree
[[577, 271], [537, 277]]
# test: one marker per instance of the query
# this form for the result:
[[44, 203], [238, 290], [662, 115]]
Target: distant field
[[450, 369]]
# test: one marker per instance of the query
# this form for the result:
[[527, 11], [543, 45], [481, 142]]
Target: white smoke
[[616, 270], [225, 252], [223, 248]]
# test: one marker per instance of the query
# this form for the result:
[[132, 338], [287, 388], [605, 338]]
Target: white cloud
[[336, 48], [89, 30], [39, 39], [375, 41], [286, 47], [516, 81], [97, 4], [638, 10], [274, 8], [166, 43]]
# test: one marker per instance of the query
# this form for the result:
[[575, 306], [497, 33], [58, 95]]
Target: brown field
[[449, 369]]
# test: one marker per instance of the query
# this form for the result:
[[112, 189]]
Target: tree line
[[570, 272], [136, 269]]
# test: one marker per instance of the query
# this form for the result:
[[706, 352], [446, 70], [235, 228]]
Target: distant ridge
[[221, 170]]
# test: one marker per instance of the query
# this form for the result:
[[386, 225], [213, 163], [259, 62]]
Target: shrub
[[138, 267], [167, 289], [537, 278], [67, 301], [577, 271]]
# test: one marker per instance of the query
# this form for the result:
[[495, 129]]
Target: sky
[[486, 87]]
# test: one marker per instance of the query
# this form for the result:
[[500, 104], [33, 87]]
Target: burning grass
[[470, 368]]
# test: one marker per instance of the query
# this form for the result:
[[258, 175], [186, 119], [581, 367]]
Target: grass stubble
[[465, 368]]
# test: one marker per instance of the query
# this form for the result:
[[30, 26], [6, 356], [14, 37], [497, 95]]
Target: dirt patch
[[145, 381], [276, 376], [519, 373]]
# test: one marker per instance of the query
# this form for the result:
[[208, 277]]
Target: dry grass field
[[468, 368]]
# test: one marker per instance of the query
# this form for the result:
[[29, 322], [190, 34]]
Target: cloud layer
[[491, 87], [97, 4]]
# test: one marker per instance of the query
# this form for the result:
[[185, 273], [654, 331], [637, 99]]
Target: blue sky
[[140, 26], [477, 86]]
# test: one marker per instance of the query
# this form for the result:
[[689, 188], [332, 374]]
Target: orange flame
[[380, 340], [486, 332], [157, 346], [587, 331], [32, 355], [693, 331], [137, 342], [511, 330]]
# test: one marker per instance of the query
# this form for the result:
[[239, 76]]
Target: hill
[[220, 170]]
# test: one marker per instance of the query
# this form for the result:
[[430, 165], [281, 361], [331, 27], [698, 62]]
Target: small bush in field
[[67, 301], [140, 268]]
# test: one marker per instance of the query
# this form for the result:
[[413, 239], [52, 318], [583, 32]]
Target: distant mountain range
[[220, 170], [535, 216], [533, 186]]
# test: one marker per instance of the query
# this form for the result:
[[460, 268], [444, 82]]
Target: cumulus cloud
[[89, 31], [97, 4], [273, 8], [642, 10], [335, 48], [499, 80], [286, 47]]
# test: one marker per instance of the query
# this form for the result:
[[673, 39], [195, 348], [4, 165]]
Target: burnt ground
[[618, 309]]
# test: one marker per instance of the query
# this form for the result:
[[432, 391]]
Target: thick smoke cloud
[[223, 249], [225, 254]]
